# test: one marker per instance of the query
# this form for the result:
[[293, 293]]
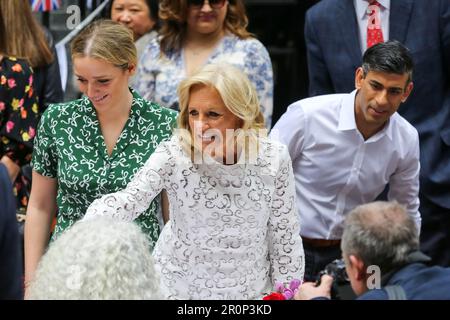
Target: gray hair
[[97, 259], [380, 233]]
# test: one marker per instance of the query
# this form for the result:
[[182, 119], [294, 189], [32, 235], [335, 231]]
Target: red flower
[[274, 296]]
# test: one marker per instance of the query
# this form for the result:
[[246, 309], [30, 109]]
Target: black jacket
[[47, 79], [10, 254]]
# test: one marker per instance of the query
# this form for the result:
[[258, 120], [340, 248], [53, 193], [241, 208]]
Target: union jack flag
[[45, 5]]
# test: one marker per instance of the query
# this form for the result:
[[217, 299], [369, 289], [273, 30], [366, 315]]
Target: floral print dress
[[18, 118], [158, 77], [70, 148]]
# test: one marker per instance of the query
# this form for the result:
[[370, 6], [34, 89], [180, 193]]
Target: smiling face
[[135, 14], [209, 120], [379, 97], [103, 83], [207, 19]]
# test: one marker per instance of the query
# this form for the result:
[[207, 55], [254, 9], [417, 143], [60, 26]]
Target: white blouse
[[233, 230]]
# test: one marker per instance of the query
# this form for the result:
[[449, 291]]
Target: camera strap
[[395, 292]]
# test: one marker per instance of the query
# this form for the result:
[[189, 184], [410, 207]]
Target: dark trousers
[[435, 232], [10, 254], [316, 258]]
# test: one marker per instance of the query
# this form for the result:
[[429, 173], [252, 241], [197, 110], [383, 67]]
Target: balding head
[[380, 233]]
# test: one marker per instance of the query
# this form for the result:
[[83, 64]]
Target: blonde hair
[[106, 40], [238, 95], [173, 15], [21, 35]]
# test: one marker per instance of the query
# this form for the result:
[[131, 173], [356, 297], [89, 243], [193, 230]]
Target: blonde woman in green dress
[[92, 146]]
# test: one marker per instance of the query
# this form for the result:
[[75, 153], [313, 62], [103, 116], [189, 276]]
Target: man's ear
[[407, 92], [359, 76], [358, 266]]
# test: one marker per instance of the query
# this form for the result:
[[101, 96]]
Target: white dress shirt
[[336, 170], [362, 16]]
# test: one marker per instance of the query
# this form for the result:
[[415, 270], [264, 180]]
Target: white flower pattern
[[70, 147], [158, 77], [233, 230]]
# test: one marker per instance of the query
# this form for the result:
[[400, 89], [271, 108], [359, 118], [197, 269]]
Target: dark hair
[[173, 15], [153, 5], [389, 57]]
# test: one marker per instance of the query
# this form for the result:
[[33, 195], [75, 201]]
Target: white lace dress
[[233, 230]]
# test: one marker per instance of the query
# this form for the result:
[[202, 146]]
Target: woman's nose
[[125, 17]]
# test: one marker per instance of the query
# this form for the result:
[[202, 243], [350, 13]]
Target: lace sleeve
[[285, 245], [130, 202]]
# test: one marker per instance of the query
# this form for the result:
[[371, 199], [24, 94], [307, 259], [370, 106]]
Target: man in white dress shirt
[[346, 148]]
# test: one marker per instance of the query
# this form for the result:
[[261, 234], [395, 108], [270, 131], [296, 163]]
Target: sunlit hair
[[173, 15], [237, 93], [97, 259], [21, 35], [106, 40]]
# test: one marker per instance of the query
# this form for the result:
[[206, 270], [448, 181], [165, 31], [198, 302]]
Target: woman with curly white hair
[[233, 230], [97, 259]]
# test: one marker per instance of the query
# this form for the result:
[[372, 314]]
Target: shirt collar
[[361, 6], [347, 119], [347, 113]]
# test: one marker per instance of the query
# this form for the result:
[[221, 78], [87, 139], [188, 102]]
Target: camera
[[341, 288]]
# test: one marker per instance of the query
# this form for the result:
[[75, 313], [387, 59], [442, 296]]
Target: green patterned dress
[[70, 147]]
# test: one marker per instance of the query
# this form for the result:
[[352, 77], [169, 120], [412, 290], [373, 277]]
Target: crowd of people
[[168, 180]]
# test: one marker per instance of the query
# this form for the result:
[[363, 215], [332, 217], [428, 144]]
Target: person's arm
[[318, 74], [129, 203], [42, 204], [286, 254], [41, 210], [258, 68], [404, 183]]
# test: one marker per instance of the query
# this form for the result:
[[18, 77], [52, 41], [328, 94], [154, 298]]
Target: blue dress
[[158, 76]]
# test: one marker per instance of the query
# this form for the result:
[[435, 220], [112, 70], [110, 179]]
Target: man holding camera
[[345, 148], [380, 246]]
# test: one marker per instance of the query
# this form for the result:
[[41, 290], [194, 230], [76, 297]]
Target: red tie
[[374, 32]]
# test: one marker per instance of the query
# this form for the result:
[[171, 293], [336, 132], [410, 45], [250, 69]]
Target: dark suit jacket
[[10, 255], [334, 53], [47, 79]]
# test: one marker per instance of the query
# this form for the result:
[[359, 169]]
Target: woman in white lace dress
[[233, 229]]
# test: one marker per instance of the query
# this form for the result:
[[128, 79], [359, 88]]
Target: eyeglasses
[[197, 4]]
